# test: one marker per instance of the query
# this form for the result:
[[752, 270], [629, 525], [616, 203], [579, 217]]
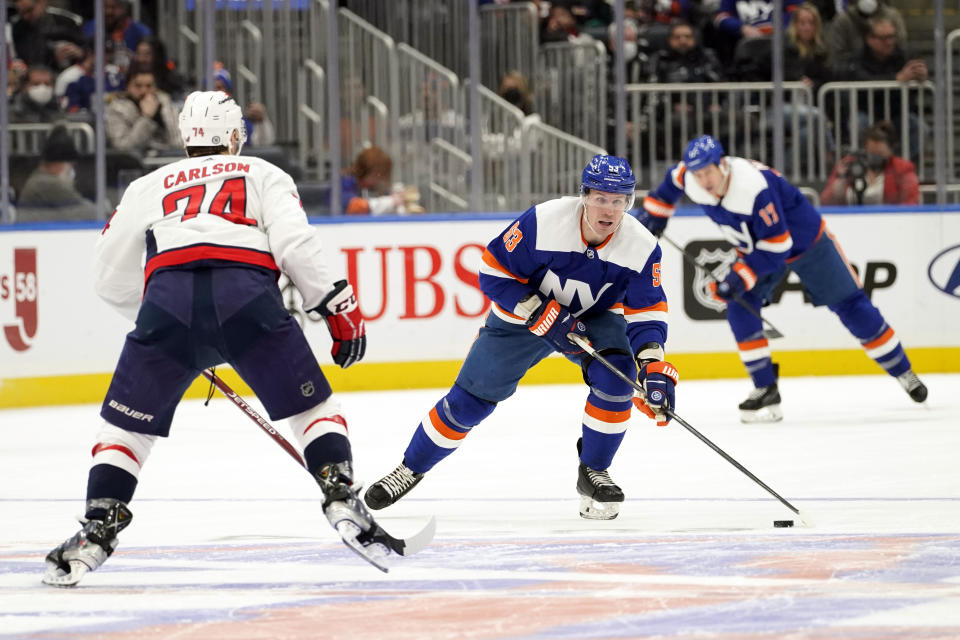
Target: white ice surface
[[228, 539]]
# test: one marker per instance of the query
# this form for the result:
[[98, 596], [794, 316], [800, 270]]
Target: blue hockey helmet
[[608, 173], [701, 152]]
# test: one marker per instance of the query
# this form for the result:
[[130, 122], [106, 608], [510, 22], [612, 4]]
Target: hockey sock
[[755, 354], [444, 428], [864, 321], [322, 434], [607, 411], [108, 481]]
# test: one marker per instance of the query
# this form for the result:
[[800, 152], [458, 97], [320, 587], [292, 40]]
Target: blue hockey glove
[[655, 224], [740, 280], [658, 380], [552, 322]]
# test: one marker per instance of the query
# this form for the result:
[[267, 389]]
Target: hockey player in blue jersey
[[573, 264], [774, 228]]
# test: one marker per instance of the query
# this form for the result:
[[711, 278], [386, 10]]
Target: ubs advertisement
[[418, 288]]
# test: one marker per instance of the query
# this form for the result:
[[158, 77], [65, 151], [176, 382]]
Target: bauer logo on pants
[[944, 271], [21, 289]]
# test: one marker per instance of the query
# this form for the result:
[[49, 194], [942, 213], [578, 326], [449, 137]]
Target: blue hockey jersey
[[544, 251], [765, 217]]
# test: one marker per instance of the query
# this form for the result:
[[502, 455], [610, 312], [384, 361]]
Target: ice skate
[[357, 528], [88, 548], [391, 487], [600, 497], [912, 385], [762, 405]]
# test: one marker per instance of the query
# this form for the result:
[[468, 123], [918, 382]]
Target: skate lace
[[398, 480], [757, 393], [909, 380], [599, 478]]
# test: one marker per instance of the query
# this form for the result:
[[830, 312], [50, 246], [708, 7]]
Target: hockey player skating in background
[[217, 230], [774, 228], [574, 264]]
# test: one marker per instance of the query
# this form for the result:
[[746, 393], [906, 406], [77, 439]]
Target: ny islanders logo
[[21, 288], [944, 271]]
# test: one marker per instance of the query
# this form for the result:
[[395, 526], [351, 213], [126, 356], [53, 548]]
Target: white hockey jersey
[[209, 211]]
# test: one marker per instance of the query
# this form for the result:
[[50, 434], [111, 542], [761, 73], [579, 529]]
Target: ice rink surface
[[228, 540]]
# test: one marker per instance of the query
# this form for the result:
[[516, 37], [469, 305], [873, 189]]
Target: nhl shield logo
[[944, 271], [307, 389]]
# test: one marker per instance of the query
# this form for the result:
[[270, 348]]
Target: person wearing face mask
[[875, 175], [35, 102], [515, 90], [847, 31], [49, 192]]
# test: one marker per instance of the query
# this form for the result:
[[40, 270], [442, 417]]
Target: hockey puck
[[783, 523]]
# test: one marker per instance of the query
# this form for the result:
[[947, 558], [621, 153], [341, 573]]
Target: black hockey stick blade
[[366, 544]]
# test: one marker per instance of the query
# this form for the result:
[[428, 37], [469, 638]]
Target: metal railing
[[554, 161], [663, 117], [29, 138], [953, 88], [449, 177], [572, 88], [311, 121], [509, 41], [853, 106]]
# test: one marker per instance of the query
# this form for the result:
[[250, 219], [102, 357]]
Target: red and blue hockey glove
[[552, 322], [740, 280], [342, 313], [659, 380]]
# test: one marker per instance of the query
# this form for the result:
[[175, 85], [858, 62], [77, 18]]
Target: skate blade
[[772, 413], [590, 509], [375, 553], [55, 577]]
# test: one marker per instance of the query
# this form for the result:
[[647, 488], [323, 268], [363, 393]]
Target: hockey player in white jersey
[[774, 229], [573, 264], [193, 253]]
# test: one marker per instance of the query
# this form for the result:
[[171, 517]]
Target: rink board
[[418, 288]]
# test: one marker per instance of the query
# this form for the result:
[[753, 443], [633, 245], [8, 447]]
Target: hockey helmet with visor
[[609, 174]]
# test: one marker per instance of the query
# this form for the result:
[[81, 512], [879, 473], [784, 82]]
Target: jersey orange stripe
[[507, 313], [660, 306], [443, 429], [493, 263], [753, 344], [605, 415], [783, 237]]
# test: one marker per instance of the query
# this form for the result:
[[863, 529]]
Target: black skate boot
[[763, 403], [912, 385], [391, 487], [600, 497], [90, 547]]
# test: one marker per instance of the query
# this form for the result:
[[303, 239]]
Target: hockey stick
[[400, 546], [769, 331], [265, 426], [584, 344]]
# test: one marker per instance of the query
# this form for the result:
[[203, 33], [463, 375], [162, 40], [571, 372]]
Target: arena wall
[[417, 284]]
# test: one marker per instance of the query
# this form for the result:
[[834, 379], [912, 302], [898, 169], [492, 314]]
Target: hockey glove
[[658, 380], [740, 280], [342, 313], [552, 322], [655, 224]]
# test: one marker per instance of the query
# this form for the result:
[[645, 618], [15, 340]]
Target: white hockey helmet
[[209, 118]]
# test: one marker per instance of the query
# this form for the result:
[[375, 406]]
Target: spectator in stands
[[76, 85], [684, 59], [515, 90], [743, 32], [150, 53], [260, 129], [875, 175], [848, 31], [558, 26], [805, 57], [142, 119], [631, 52], [45, 39], [884, 59], [121, 29], [49, 193], [366, 187], [35, 102]]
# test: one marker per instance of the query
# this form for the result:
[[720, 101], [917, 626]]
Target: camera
[[857, 174]]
